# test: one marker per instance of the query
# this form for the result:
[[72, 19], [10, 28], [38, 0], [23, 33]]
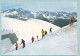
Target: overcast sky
[[43, 6]]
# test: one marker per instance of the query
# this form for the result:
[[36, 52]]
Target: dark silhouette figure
[[23, 42], [50, 29], [45, 32]]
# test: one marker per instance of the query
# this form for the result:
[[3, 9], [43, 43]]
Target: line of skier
[[43, 34], [23, 41]]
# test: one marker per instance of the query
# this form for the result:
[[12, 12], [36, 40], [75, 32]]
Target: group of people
[[23, 41], [45, 32]]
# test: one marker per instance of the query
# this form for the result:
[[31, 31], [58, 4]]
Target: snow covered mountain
[[25, 29], [50, 17], [22, 14], [60, 42], [25, 24], [19, 13]]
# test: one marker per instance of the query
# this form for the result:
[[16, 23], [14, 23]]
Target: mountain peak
[[20, 9]]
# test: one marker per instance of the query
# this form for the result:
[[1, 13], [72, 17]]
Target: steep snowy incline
[[60, 42], [26, 29], [6, 45]]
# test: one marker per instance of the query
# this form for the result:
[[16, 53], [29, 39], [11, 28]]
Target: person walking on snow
[[43, 33], [23, 42], [50, 29], [37, 36], [16, 46], [32, 39], [72, 19]]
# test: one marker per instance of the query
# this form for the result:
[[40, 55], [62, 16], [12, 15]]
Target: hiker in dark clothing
[[45, 32], [50, 29], [23, 42], [16, 46]]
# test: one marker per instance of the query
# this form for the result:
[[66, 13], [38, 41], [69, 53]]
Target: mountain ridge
[[57, 18]]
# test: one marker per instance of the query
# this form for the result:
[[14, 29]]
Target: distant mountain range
[[52, 17]]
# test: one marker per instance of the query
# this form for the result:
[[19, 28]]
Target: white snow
[[14, 12], [65, 15], [34, 14], [6, 45], [60, 42], [44, 15], [51, 18], [61, 17], [26, 29], [5, 31]]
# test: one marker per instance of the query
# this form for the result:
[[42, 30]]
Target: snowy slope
[[60, 42], [5, 31], [26, 29], [6, 45]]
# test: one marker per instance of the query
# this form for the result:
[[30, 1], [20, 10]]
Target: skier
[[37, 36], [50, 29], [23, 42], [43, 33], [72, 19], [16, 46], [32, 39]]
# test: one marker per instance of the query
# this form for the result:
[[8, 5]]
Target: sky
[[43, 6]]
